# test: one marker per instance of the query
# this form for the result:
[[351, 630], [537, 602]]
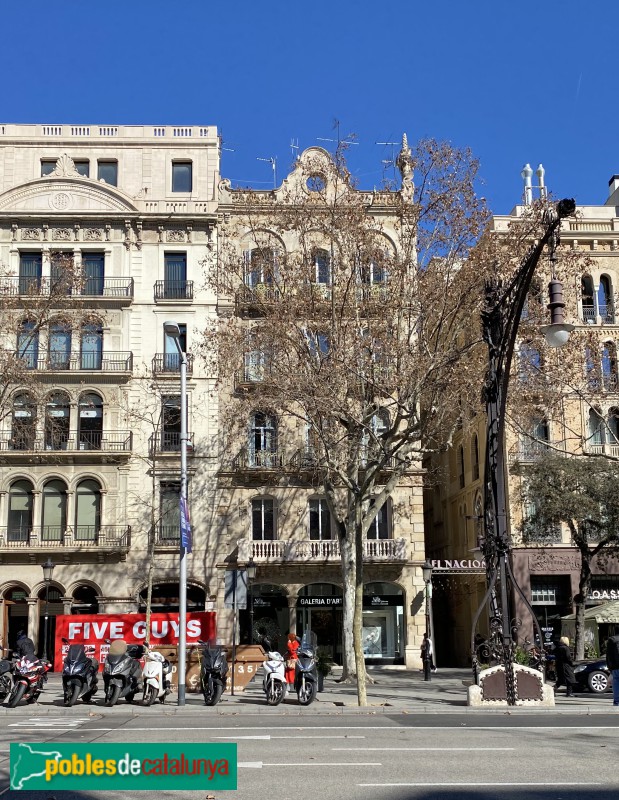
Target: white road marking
[[249, 764], [324, 764], [459, 783], [321, 736], [377, 728], [243, 737], [420, 749]]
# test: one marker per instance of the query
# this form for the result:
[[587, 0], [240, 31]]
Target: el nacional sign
[[471, 565]]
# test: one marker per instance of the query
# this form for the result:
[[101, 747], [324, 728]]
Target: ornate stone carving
[[93, 235], [404, 163], [128, 234], [65, 168], [175, 236], [60, 201], [31, 233], [138, 228], [108, 229], [61, 234], [553, 562]]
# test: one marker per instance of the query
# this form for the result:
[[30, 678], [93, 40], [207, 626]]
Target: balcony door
[[30, 273], [57, 421], [175, 276], [171, 356], [90, 431], [92, 346], [20, 511], [87, 511], [93, 265], [54, 520], [59, 347]]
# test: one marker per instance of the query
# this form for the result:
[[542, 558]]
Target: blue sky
[[516, 82]]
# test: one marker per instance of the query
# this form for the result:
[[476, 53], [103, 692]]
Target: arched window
[[321, 267], [262, 519], [260, 266], [380, 528], [475, 457], [91, 353], [87, 511], [587, 295], [28, 344], [605, 301], [90, 422], [319, 519], [595, 430], [613, 427], [59, 346], [461, 479], [85, 600], [20, 512], [23, 423], [263, 440], [54, 519], [609, 366], [57, 421]]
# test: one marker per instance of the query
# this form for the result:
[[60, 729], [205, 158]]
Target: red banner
[[93, 629]]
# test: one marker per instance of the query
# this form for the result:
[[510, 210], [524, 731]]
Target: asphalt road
[[365, 756]]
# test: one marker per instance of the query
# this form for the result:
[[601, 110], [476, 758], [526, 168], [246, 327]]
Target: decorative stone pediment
[[68, 194]]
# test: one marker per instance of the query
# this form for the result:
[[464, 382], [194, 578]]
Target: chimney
[[613, 184], [526, 174]]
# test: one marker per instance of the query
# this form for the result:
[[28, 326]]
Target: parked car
[[594, 676]]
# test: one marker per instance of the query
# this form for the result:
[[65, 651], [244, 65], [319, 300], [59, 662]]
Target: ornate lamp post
[[251, 575], [500, 318], [427, 656], [48, 571], [173, 331]]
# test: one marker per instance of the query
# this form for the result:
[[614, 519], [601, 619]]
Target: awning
[[606, 612]]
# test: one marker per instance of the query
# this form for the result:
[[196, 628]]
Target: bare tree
[[354, 316]]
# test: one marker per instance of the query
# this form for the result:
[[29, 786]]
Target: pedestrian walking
[[291, 658], [564, 666], [612, 662], [427, 651]]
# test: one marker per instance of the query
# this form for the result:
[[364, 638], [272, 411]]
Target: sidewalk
[[393, 692]]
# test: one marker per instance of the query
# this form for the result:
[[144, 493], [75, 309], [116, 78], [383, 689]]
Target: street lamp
[[426, 570], [48, 571], [251, 574], [172, 330], [500, 318]]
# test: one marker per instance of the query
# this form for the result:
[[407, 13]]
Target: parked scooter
[[274, 682], [306, 674], [6, 678], [29, 675], [213, 672], [122, 673], [155, 674], [79, 675]]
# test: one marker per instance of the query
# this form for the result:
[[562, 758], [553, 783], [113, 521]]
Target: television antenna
[[294, 145], [221, 145], [337, 141], [389, 162], [273, 162]]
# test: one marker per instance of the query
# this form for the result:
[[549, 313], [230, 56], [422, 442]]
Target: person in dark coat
[[564, 666], [24, 646]]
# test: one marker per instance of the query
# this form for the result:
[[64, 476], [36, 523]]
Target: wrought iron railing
[[28, 286], [56, 536], [87, 361], [69, 441], [173, 290], [169, 442], [166, 363]]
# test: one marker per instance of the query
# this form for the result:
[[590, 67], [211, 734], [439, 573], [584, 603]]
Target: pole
[[45, 620], [251, 611], [182, 599], [427, 656], [234, 577]]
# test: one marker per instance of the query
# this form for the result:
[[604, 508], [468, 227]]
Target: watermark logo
[[156, 766]]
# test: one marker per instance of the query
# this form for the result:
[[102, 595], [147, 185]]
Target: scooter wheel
[[306, 694], [275, 693], [70, 699], [111, 698], [16, 695], [213, 699], [150, 695]]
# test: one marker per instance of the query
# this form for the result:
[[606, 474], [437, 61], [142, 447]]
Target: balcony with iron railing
[[105, 361], [250, 299], [170, 364], [588, 315], [54, 537], [382, 550], [253, 461], [528, 452], [116, 290], [169, 443], [602, 448], [167, 536], [173, 291], [57, 443], [607, 314]]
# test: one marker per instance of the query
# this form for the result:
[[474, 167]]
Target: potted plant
[[324, 663]]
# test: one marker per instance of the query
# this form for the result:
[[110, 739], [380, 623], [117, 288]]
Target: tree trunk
[[584, 585], [347, 554], [358, 615]]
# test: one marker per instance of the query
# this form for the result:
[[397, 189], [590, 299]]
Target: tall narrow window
[[30, 272], [24, 422], [595, 429], [59, 346], [591, 369], [475, 457], [263, 440], [260, 266], [90, 421], [262, 519], [588, 302], [20, 511], [461, 466], [87, 511], [92, 346], [609, 366], [605, 301], [321, 267], [28, 344], [613, 426], [379, 529], [182, 176], [175, 276], [169, 527], [54, 517], [57, 421], [108, 171], [93, 267], [171, 423], [171, 356], [319, 519], [530, 362], [82, 165]]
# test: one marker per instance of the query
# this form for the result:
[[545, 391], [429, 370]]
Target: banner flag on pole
[[185, 526]]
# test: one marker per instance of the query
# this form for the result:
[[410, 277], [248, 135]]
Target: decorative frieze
[[175, 236], [93, 235], [61, 234], [31, 234]]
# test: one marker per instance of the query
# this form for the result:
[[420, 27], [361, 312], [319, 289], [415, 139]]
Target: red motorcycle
[[29, 675]]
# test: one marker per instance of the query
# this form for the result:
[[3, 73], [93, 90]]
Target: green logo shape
[[137, 767]]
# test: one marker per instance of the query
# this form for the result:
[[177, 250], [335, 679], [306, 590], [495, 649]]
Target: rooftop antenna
[[294, 145], [389, 162], [273, 162], [338, 141]]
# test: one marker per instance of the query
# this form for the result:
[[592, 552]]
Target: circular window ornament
[[316, 183], [60, 201]]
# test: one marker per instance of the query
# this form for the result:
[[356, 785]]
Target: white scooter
[[156, 677], [274, 683]]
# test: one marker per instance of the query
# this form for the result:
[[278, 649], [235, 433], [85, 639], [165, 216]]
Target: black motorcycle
[[213, 672], [79, 675], [306, 673], [122, 673], [6, 678]]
